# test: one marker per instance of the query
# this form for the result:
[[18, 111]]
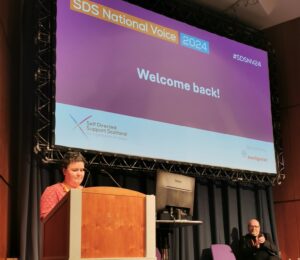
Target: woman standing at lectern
[[73, 170]]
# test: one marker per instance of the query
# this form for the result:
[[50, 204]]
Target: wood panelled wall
[[4, 134], [285, 39]]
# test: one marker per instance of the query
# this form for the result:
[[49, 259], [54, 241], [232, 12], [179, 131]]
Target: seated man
[[257, 245]]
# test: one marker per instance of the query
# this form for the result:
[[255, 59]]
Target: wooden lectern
[[101, 223]]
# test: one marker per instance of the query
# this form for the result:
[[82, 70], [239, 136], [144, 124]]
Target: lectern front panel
[[113, 225]]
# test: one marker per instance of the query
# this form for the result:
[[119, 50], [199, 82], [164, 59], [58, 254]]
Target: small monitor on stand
[[174, 206], [174, 196]]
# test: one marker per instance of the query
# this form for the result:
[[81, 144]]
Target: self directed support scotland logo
[[78, 124], [97, 128]]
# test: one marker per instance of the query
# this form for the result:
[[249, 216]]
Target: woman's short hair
[[71, 157]]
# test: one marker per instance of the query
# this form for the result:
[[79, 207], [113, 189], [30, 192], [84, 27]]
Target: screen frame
[[209, 21]]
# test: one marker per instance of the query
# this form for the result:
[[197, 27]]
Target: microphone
[[111, 177], [87, 177]]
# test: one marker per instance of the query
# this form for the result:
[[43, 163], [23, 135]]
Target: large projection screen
[[133, 82]]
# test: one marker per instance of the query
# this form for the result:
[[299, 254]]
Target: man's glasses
[[253, 226]]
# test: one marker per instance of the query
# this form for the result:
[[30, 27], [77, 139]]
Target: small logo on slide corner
[[78, 124]]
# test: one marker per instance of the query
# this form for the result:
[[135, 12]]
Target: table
[[166, 227]]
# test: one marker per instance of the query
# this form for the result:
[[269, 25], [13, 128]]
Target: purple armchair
[[222, 252]]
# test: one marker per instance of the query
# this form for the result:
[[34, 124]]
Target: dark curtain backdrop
[[224, 207]]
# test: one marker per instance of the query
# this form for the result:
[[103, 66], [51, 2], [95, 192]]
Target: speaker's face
[[74, 174], [254, 227]]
